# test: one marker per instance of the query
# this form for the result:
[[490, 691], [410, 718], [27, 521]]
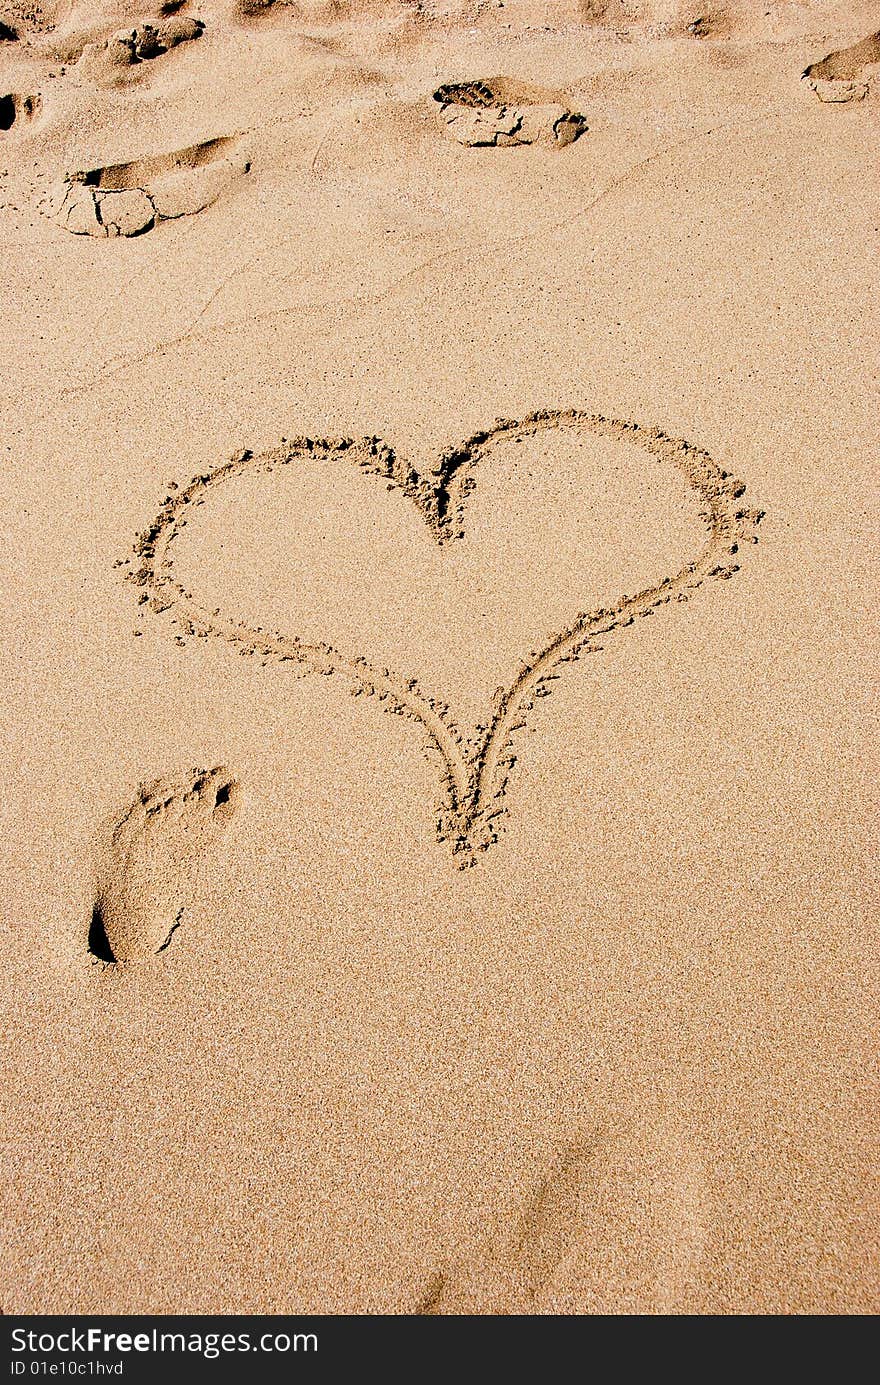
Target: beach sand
[[439, 461]]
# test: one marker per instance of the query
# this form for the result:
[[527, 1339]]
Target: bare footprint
[[530, 1252], [146, 867], [497, 111], [841, 76], [119, 58], [128, 199], [17, 110], [616, 1225]]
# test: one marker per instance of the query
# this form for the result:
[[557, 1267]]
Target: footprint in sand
[[119, 59], [843, 76], [616, 1226], [498, 111], [146, 866], [17, 111], [128, 199], [524, 1262]]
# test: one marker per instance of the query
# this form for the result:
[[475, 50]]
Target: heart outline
[[475, 769]]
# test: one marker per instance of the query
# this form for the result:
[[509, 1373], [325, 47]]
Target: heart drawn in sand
[[476, 767]]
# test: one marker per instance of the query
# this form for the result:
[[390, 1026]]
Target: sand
[[439, 450]]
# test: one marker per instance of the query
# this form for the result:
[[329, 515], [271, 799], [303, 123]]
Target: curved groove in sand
[[194, 332], [476, 769]]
